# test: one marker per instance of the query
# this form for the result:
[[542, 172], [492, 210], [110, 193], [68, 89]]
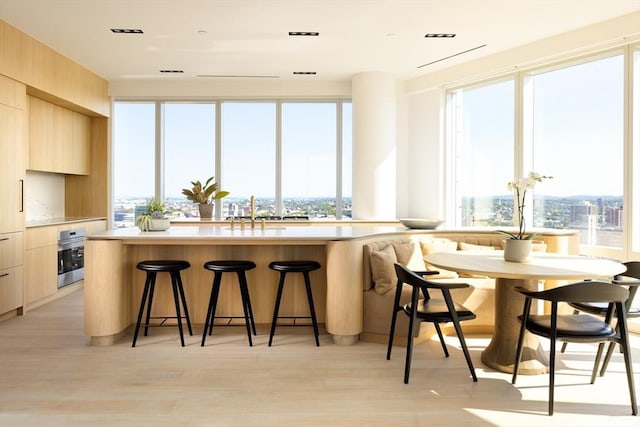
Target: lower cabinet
[[41, 261], [41, 276], [11, 280], [10, 289]]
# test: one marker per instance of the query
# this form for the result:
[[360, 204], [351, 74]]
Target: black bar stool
[[152, 268], [229, 266], [303, 267]]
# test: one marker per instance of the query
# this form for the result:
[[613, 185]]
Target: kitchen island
[[113, 286]]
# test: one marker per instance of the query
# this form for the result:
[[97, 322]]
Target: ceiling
[[249, 39]]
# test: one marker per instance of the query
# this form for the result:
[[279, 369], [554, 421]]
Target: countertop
[[271, 232], [60, 221]]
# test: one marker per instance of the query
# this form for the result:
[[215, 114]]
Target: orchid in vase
[[520, 186]]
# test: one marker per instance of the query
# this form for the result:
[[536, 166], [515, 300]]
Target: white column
[[374, 146]]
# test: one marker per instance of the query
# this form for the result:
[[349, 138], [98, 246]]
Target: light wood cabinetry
[[12, 155], [12, 175], [11, 250], [59, 139], [41, 260], [41, 263]]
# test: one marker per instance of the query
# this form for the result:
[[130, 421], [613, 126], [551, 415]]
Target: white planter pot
[[517, 250], [159, 224]]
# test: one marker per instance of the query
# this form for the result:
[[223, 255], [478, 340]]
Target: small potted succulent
[[204, 195], [154, 217]]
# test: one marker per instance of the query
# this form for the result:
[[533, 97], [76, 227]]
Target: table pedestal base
[[501, 352]]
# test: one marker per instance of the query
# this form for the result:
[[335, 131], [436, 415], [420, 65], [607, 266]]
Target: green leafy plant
[[154, 209], [204, 193], [520, 186]]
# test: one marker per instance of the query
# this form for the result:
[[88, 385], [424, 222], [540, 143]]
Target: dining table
[[552, 268]]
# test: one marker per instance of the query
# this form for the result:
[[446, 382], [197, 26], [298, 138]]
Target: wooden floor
[[50, 376]]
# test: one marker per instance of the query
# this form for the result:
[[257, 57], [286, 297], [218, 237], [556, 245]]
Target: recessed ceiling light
[[247, 76], [440, 35], [305, 73], [126, 31], [172, 71], [304, 33]]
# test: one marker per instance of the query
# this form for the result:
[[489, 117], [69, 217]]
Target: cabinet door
[[41, 273], [41, 147], [62, 139], [81, 144], [10, 289], [12, 169]]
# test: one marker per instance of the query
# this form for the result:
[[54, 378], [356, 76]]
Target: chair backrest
[[409, 277], [633, 272], [585, 291]]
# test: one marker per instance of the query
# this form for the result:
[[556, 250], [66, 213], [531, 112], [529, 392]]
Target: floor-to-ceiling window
[[134, 171], [294, 157], [249, 156], [482, 122], [566, 121], [309, 169], [188, 132], [577, 136]]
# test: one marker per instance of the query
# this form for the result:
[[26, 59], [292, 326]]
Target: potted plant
[[204, 195], [154, 217], [518, 245]]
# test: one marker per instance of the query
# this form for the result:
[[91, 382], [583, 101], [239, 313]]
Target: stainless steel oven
[[71, 256]]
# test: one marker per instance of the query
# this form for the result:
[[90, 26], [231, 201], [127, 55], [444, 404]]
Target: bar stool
[[303, 267], [229, 266], [152, 268]]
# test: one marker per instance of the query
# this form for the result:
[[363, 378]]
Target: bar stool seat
[[303, 267], [152, 268], [229, 266]]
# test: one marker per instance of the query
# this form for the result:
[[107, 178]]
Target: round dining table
[[500, 353]]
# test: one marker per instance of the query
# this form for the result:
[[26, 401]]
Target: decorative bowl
[[426, 224]]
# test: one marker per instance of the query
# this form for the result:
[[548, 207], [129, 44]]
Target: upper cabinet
[[12, 155], [59, 139]]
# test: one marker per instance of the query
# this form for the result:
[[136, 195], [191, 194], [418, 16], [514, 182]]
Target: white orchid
[[521, 186]]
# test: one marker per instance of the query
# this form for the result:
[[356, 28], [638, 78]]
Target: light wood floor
[[50, 376]]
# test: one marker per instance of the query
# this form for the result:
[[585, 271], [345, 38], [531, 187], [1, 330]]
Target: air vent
[[304, 73], [126, 31], [172, 71], [304, 33], [451, 56], [439, 36], [238, 76]]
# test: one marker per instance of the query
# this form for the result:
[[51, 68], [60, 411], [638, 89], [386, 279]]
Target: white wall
[[44, 196]]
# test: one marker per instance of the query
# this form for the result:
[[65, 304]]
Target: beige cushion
[[382, 269], [404, 251], [438, 245], [471, 247]]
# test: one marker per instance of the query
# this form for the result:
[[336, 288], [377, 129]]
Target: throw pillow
[[383, 271], [404, 250]]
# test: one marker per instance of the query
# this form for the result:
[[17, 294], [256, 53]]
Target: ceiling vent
[[126, 31], [304, 73], [238, 76], [172, 71], [451, 56]]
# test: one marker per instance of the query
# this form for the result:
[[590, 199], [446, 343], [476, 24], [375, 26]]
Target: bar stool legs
[[239, 267], [303, 267], [152, 268]]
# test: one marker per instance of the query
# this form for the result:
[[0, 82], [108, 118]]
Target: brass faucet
[[252, 204]]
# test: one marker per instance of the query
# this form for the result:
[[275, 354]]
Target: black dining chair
[[428, 309], [629, 279], [578, 327]]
